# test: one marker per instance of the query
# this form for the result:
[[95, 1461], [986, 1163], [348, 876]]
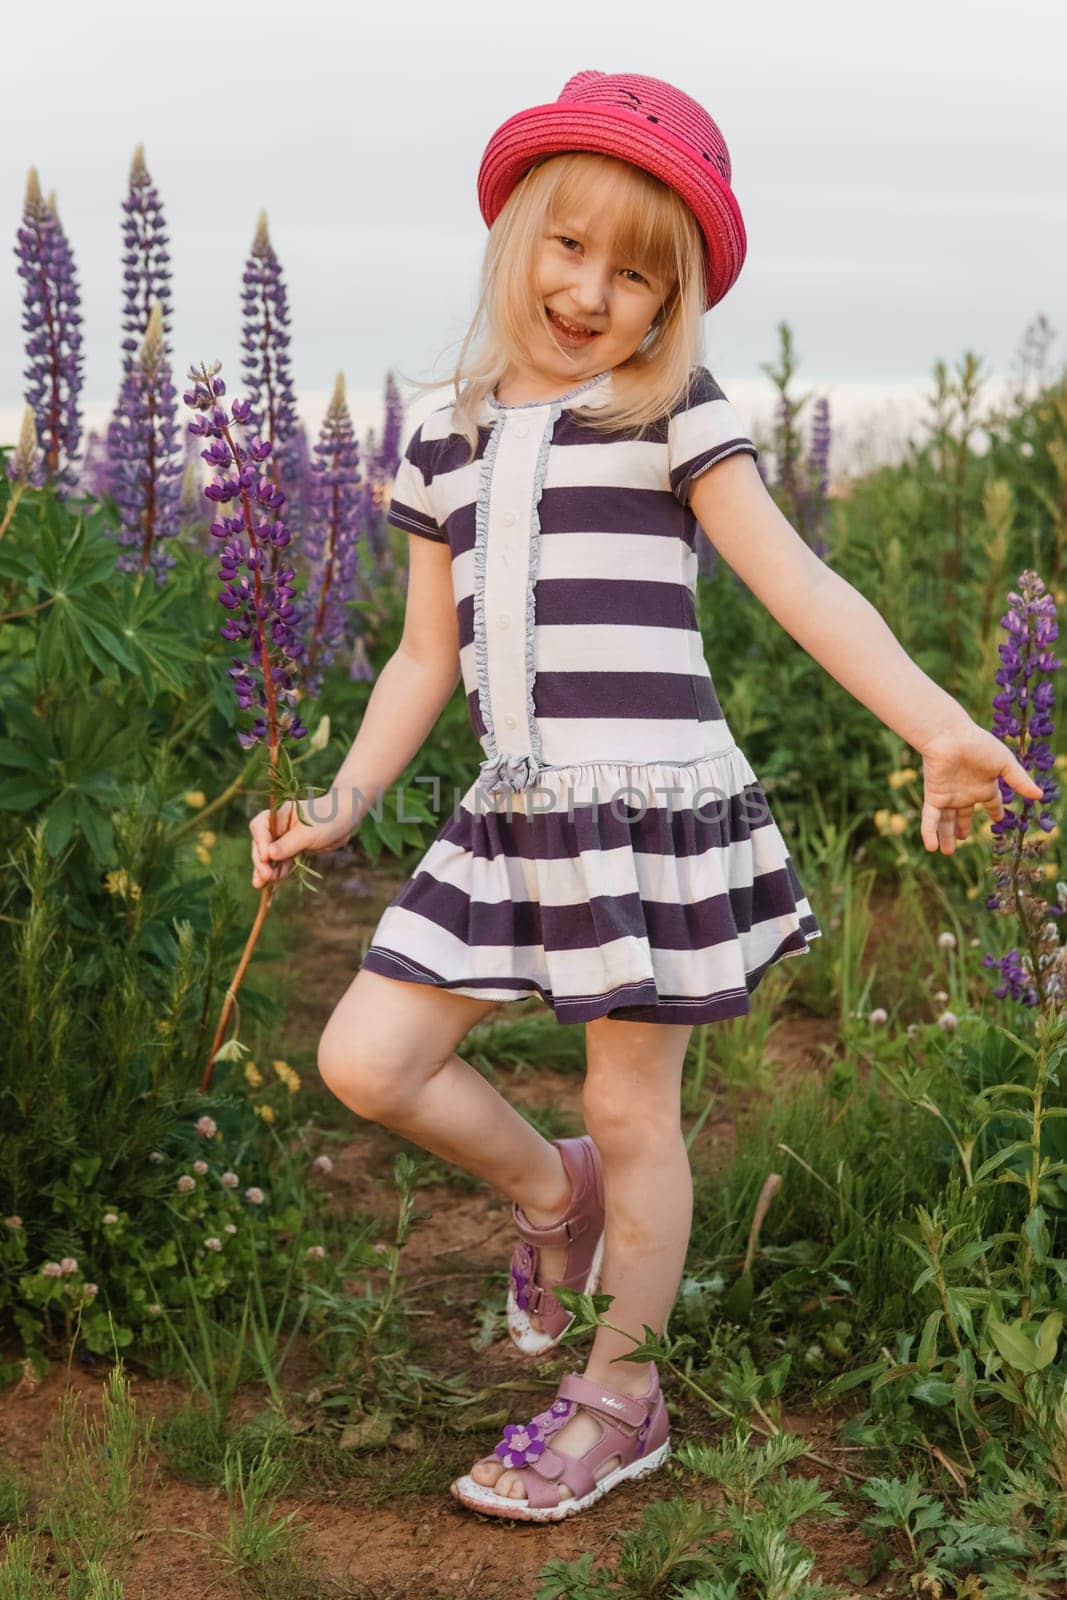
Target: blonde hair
[[652, 228]]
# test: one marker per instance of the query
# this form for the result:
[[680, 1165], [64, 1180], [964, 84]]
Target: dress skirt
[[648, 893]]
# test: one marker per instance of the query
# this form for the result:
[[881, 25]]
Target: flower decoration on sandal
[[523, 1444]]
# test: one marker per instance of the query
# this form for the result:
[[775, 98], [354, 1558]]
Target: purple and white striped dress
[[616, 853]]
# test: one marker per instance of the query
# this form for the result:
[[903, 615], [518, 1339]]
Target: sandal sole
[[529, 1339], [479, 1497]]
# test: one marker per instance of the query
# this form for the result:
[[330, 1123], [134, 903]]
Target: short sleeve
[[703, 430], [411, 505]]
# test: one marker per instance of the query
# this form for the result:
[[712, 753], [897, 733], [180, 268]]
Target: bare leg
[[633, 1111], [387, 1052]]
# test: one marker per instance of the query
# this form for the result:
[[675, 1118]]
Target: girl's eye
[[566, 243]]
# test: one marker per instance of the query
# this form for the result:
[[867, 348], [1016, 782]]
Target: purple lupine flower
[[332, 535], [819, 474], [146, 279], [1023, 720], [52, 321], [265, 366], [145, 458], [388, 456], [260, 596]]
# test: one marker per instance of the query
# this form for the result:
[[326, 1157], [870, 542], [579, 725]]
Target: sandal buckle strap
[[605, 1402]]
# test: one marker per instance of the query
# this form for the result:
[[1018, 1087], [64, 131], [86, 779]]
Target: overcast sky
[[900, 168]]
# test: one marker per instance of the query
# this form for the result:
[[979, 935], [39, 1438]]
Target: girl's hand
[[960, 770], [272, 859]]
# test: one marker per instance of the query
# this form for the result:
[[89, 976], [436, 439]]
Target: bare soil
[[416, 1545]]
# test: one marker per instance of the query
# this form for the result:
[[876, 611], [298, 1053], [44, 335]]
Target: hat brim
[[553, 129]]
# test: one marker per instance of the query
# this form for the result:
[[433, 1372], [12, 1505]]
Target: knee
[[368, 1074], [621, 1124]]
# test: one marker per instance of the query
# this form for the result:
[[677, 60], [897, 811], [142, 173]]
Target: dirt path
[[420, 1545]]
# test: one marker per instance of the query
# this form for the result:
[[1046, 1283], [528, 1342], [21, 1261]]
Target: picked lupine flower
[[212, 1243], [200, 1168], [145, 458], [186, 1183], [229, 1180], [262, 599], [109, 1219], [322, 1164], [206, 1127], [331, 537], [265, 365], [52, 322], [1023, 720], [254, 1196]]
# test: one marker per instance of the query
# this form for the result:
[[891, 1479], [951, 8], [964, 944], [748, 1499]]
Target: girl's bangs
[[645, 213]]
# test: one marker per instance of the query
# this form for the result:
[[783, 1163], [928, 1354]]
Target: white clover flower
[[51, 1269], [109, 1218], [155, 1155], [254, 1196], [90, 1290], [947, 1020], [200, 1167], [155, 1309], [229, 1180], [878, 1016], [940, 996], [230, 1227], [975, 943], [316, 1252], [206, 1127], [67, 1266], [186, 1184], [212, 1244], [322, 1164], [12, 1222], [947, 940]]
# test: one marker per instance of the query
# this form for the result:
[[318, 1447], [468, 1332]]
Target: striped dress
[[616, 853]]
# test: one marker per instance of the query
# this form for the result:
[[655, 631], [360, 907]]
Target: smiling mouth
[[574, 330]]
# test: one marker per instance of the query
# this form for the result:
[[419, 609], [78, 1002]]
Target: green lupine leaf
[[59, 823]]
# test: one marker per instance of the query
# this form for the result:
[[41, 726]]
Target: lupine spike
[[1023, 720], [146, 282], [260, 596], [265, 365], [24, 465], [332, 535], [52, 321], [145, 467]]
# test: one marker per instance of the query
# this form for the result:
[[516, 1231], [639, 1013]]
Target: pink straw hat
[[641, 120]]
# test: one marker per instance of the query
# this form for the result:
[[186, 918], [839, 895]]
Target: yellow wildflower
[[905, 775], [122, 884], [1050, 869], [195, 798], [1060, 762], [972, 892], [253, 1076], [1053, 833], [203, 856], [266, 1112], [1059, 595], [207, 838], [285, 1072]]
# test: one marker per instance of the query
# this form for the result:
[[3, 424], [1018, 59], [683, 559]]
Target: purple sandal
[[635, 1432], [581, 1230]]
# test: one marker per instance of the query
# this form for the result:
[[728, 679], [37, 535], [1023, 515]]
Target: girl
[[616, 853]]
